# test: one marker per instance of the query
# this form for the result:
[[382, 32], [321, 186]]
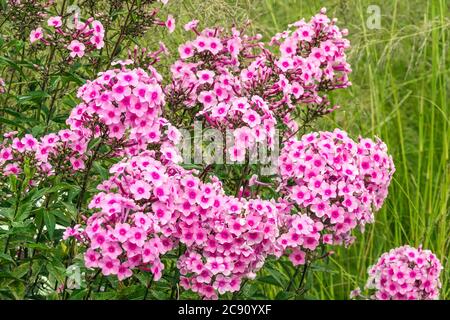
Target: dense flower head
[[66, 151], [301, 73], [132, 226], [121, 109], [336, 182], [207, 78], [126, 105], [239, 238], [312, 61], [405, 273]]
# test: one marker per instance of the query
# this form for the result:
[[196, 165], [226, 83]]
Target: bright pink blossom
[[405, 273]]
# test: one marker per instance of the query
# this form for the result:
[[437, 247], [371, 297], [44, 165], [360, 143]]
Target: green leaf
[[50, 223], [6, 257], [280, 278], [270, 280], [18, 290], [61, 218], [71, 209], [21, 270], [93, 143], [101, 170], [72, 77], [78, 294], [11, 64], [62, 186], [38, 246], [13, 182], [285, 295], [23, 212], [132, 292], [11, 122], [32, 97], [7, 213], [104, 295], [159, 295], [144, 278], [35, 194], [189, 166], [69, 101], [57, 272]]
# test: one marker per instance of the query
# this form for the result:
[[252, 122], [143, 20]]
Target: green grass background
[[399, 93]]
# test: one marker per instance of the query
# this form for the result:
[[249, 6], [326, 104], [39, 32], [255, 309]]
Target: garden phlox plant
[[148, 208], [233, 81], [126, 105], [404, 273], [153, 214], [335, 183]]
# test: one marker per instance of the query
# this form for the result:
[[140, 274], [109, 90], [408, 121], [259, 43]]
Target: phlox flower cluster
[[235, 82], [240, 235], [65, 151], [132, 227], [126, 104], [206, 78], [148, 208], [312, 61], [79, 39], [405, 273], [122, 108], [335, 183]]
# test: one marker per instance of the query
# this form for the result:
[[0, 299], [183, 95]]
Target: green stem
[[174, 272], [51, 109], [291, 282], [46, 79], [91, 281], [38, 238], [79, 204], [122, 33], [19, 196], [148, 288], [242, 180], [305, 269]]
